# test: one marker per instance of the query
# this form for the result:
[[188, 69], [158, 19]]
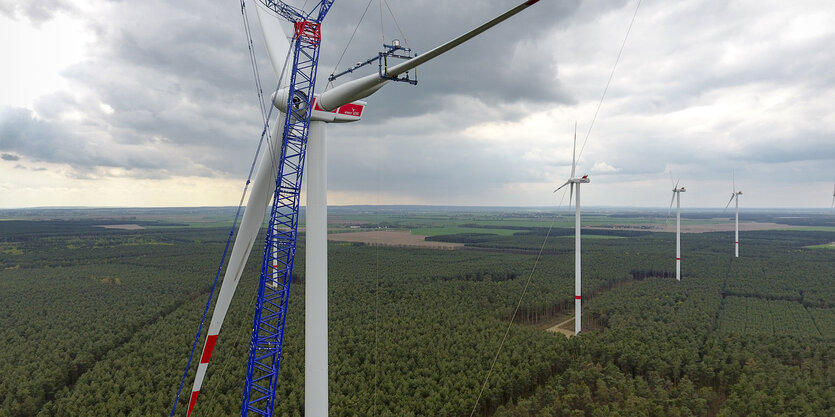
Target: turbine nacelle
[[345, 113]]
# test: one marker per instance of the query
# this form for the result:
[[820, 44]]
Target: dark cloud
[[9, 157]]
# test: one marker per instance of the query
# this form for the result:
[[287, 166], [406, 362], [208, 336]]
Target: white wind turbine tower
[[577, 258], [735, 197], [677, 198]]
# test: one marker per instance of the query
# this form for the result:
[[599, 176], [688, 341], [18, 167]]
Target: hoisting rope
[[335, 67], [265, 134], [382, 33], [397, 24], [518, 304]]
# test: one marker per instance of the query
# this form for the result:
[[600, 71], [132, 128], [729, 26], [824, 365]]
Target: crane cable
[[396, 23], [330, 83], [265, 134], [518, 304]]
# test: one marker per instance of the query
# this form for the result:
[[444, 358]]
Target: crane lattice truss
[[280, 247]]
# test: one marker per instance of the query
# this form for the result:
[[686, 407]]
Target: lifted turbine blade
[[365, 86]]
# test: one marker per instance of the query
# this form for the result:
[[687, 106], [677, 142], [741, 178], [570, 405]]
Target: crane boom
[[280, 246]]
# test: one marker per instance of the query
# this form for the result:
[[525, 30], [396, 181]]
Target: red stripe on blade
[[192, 401], [210, 346], [578, 297], [678, 259], [530, 2]]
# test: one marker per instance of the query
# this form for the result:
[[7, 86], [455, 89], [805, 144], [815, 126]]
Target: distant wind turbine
[[833, 198], [735, 197], [677, 199], [577, 271]]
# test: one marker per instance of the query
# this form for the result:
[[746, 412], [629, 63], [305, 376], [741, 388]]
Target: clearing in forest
[[398, 238]]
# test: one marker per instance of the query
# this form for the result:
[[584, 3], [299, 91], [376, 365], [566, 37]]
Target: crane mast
[[280, 248]]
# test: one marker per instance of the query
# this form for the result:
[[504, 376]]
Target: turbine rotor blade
[[733, 176], [274, 37], [729, 203], [570, 195], [671, 205], [560, 187], [574, 152]]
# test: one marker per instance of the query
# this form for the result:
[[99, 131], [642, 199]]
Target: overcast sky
[[152, 103]]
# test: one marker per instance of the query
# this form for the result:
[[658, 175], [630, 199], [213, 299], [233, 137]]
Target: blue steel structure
[[280, 247]]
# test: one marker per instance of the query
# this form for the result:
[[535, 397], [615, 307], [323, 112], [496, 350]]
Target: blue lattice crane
[[284, 164]]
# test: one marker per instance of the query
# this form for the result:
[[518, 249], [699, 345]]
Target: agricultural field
[[99, 320]]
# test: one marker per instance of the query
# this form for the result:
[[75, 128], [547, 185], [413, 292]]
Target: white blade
[[574, 152], [672, 200], [256, 209], [733, 177], [560, 187], [729, 202], [571, 194], [274, 37], [420, 59], [365, 86]]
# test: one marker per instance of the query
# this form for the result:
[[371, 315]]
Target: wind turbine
[[833, 198], [572, 180], [338, 105], [735, 197], [677, 198]]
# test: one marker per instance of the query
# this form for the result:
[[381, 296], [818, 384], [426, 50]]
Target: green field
[[100, 321]]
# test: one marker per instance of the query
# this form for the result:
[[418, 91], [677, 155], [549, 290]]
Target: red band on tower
[[578, 297]]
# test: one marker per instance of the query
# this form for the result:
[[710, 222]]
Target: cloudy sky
[[152, 103]]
